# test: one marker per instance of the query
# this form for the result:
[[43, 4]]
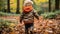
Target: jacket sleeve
[[21, 17], [36, 15]]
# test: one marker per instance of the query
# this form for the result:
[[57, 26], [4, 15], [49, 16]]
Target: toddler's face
[[27, 7]]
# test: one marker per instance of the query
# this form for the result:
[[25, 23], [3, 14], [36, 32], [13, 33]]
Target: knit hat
[[28, 1]]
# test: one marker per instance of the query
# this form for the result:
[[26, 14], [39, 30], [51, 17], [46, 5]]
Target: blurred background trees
[[41, 6]]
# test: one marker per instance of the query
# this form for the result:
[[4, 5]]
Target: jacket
[[29, 17]]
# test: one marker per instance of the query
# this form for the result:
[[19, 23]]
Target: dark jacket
[[29, 17]]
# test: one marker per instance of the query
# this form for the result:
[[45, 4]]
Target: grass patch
[[50, 14], [8, 14]]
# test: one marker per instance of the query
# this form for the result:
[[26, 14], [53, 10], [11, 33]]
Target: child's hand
[[38, 21]]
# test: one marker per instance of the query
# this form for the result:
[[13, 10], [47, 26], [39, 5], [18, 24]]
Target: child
[[28, 16]]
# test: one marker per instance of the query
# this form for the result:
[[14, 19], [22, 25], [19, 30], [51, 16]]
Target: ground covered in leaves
[[44, 26]]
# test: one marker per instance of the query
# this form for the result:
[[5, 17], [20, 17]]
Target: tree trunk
[[17, 11], [8, 6], [56, 4], [49, 5]]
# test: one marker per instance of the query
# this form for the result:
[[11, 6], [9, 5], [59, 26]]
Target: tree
[[49, 5], [57, 4], [17, 11], [8, 6]]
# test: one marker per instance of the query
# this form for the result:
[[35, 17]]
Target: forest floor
[[44, 26]]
